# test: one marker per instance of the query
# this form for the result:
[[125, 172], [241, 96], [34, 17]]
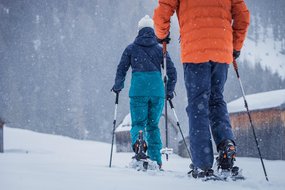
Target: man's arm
[[162, 15], [241, 19], [122, 69]]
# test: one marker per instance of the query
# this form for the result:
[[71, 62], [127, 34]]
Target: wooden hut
[[268, 116], [122, 134], [123, 139], [182, 149]]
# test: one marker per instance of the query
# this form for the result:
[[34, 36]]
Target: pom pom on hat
[[146, 21]]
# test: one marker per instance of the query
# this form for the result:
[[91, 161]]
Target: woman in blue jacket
[[146, 93]]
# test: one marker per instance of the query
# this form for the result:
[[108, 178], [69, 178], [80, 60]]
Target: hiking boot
[[227, 154]]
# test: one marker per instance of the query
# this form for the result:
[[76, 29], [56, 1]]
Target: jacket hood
[[146, 37]]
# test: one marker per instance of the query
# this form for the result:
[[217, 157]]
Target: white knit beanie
[[146, 21]]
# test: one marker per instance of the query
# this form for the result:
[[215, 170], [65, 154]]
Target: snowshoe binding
[[225, 161], [140, 160]]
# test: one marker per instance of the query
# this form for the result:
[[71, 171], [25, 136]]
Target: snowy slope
[[266, 51], [34, 161]]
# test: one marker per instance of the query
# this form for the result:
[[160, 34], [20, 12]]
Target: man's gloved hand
[[236, 54], [117, 91], [166, 39], [170, 96]]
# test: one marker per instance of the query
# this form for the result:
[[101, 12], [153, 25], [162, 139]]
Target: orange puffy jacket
[[209, 29]]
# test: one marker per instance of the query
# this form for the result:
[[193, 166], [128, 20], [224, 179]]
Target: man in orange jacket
[[212, 33]]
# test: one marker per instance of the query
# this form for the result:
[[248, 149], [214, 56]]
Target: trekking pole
[[114, 127], [249, 116], [166, 151], [178, 125]]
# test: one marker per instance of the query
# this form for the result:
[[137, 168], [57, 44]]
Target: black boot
[[140, 148], [227, 154]]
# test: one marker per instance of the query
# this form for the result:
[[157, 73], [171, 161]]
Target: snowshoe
[[140, 160], [144, 165], [233, 174], [205, 175]]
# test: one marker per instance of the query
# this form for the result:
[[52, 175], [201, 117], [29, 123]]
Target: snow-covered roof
[[125, 125], [270, 99]]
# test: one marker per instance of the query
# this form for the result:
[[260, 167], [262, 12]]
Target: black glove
[[117, 91], [166, 39], [170, 96], [236, 54]]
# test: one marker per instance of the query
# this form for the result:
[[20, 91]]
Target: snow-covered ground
[[34, 161]]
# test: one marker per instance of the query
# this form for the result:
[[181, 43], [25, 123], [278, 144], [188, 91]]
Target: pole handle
[[236, 67], [117, 98], [171, 104], [164, 48]]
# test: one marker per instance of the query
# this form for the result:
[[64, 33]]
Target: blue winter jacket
[[145, 57]]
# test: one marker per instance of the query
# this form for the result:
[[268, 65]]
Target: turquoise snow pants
[[145, 114]]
